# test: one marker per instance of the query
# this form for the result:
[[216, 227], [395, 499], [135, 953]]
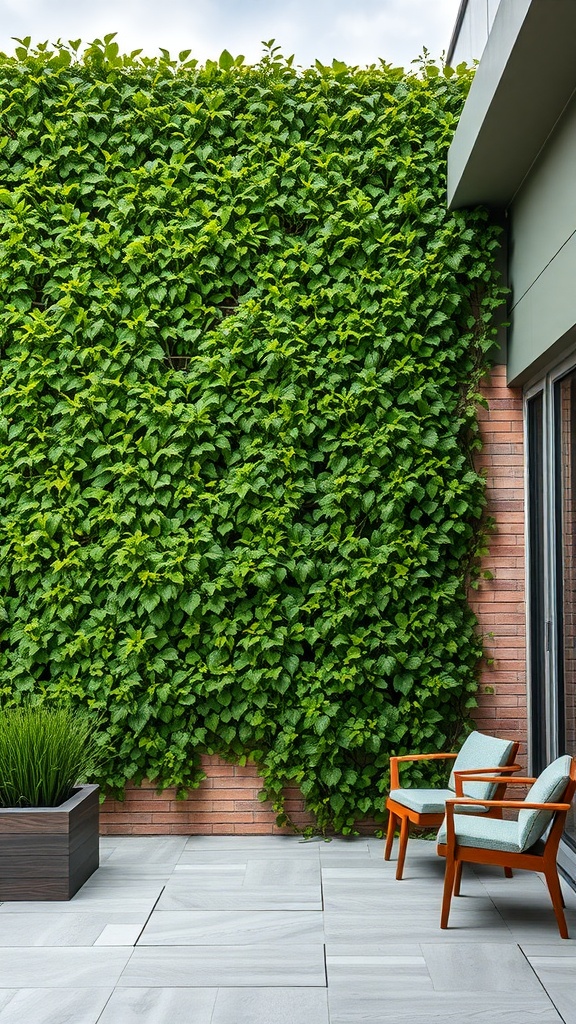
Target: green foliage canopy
[[241, 344]]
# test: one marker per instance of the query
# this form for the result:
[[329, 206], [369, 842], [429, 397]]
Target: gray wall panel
[[544, 211], [542, 253], [543, 320]]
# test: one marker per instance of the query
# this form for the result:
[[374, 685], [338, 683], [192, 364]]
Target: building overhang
[[525, 79]]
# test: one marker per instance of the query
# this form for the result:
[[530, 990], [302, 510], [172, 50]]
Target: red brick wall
[[500, 603], [227, 801]]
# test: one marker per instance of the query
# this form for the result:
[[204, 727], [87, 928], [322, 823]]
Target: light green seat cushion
[[485, 833], [426, 801]]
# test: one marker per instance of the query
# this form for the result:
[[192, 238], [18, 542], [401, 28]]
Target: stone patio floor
[[279, 930]]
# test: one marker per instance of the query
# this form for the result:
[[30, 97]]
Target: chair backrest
[[481, 751], [549, 787]]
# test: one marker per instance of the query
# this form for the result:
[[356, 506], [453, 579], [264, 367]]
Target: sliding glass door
[[551, 592]]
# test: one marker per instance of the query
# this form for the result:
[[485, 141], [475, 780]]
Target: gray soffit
[[523, 82]]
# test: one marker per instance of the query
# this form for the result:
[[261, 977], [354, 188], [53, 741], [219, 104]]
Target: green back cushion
[[480, 751], [548, 788]]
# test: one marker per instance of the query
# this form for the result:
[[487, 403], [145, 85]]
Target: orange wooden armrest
[[421, 757], [476, 777], [394, 761], [504, 770], [519, 804], [481, 775]]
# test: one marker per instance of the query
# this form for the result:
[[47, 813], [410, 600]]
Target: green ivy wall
[[241, 344]]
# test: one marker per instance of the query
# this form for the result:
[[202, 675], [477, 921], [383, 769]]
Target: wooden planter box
[[47, 853]]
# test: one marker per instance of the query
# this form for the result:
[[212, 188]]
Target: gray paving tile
[[212, 842], [329, 852], [471, 884], [343, 860], [160, 1006], [64, 929], [369, 870], [541, 927], [348, 962], [365, 896], [551, 969], [344, 928], [148, 850], [283, 872], [276, 846], [563, 995], [416, 869], [6, 994], [523, 882], [377, 975], [554, 948], [111, 902], [119, 935], [184, 895], [61, 1005], [271, 1006], [217, 966], [215, 874], [214, 928], [240, 857], [121, 888], [144, 882], [80, 967], [569, 894], [532, 919], [389, 948], [355, 1007], [512, 900], [479, 967]]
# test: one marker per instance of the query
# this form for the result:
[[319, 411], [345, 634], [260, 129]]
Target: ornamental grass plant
[[44, 753]]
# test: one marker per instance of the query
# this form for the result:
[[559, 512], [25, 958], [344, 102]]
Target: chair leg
[[404, 831], [508, 873], [457, 877], [392, 819], [449, 879], [555, 891]]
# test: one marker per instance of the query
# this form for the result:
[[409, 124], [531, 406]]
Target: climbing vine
[[241, 342]]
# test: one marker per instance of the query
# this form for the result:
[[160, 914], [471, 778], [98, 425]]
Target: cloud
[[356, 31]]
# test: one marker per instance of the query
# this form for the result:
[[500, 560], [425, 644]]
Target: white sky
[[354, 31]]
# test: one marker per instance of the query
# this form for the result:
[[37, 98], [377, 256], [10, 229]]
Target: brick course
[[226, 803]]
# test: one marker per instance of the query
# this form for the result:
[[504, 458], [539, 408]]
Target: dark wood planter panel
[[35, 889], [48, 853]]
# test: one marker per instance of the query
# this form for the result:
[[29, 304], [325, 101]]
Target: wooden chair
[[511, 844], [427, 807]]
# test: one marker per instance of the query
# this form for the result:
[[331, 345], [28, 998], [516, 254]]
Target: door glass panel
[[537, 593], [565, 445]]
